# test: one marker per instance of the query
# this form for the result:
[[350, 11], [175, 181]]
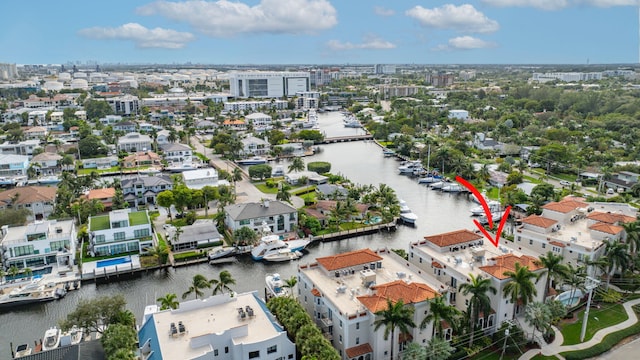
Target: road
[[626, 351]]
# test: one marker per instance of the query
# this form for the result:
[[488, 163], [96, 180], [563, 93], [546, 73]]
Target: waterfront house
[[24, 148], [110, 119], [453, 256], [313, 177], [327, 206], [622, 181], [200, 233], [225, 327], [162, 137], [234, 125], [120, 231], [125, 126], [176, 153], [144, 189], [252, 145], [133, 142], [36, 132], [141, 158], [279, 216], [40, 200], [197, 179], [40, 244], [343, 292], [100, 163], [105, 196], [260, 121], [331, 191]]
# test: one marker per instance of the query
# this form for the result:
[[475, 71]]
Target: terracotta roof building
[[40, 200]]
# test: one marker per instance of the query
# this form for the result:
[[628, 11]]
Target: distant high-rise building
[[8, 71], [268, 84], [384, 69]]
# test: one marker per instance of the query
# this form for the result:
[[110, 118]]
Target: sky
[[321, 31]]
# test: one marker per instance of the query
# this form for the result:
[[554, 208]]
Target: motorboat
[[221, 252], [282, 255], [494, 206], [51, 339], [49, 180], [149, 171], [496, 217], [352, 123], [72, 336], [453, 188], [276, 286], [272, 248], [437, 185], [255, 160], [277, 171], [181, 167], [409, 167], [22, 351], [430, 179], [33, 292], [406, 215], [388, 152]]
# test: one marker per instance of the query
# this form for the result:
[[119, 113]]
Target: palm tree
[[574, 277], [283, 193], [222, 284], [13, 271], [520, 286], [297, 164], [169, 301], [394, 316], [538, 315], [438, 349], [555, 269], [199, 282], [438, 311], [290, 283], [633, 235], [618, 256], [479, 288]]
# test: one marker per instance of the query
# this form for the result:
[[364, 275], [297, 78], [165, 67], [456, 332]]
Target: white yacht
[[71, 337], [453, 188], [272, 248], [33, 292], [23, 350], [51, 339], [406, 215], [181, 167], [494, 206], [255, 160], [409, 167], [221, 252], [275, 286]]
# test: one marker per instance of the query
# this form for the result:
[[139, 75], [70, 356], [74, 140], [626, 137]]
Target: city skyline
[[324, 32]]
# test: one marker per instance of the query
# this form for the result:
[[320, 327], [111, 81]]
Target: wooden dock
[[337, 139], [340, 235]]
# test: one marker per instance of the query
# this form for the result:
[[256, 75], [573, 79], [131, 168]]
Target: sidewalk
[[555, 348]]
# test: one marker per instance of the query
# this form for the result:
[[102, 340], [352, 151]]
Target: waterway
[[361, 161]]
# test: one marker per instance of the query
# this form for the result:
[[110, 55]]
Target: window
[[357, 326], [23, 250], [215, 352], [519, 238], [226, 349], [272, 349], [341, 324], [340, 339], [39, 236], [530, 241], [57, 245], [357, 340], [544, 245], [420, 260], [119, 236], [141, 233], [100, 239], [244, 222], [290, 356], [254, 354]]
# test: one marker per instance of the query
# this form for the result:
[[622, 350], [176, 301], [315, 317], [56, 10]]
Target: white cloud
[[461, 18], [469, 42], [379, 10], [141, 36], [224, 18], [370, 43], [560, 4]]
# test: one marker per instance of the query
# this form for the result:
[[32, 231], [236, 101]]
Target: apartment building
[[124, 105], [225, 327], [237, 106], [120, 231], [343, 292], [267, 84], [39, 244], [453, 257]]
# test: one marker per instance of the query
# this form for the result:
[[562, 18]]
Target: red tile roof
[[539, 221], [101, 193], [557, 243], [348, 259], [610, 218], [508, 263], [358, 350], [606, 228], [27, 195], [566, 205], [396, 291], [453, 238]]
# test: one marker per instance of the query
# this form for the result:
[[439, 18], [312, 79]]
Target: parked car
[[610, 191], [565, 183]]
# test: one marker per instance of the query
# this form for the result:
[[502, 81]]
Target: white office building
[[267, 84], [224, 327]]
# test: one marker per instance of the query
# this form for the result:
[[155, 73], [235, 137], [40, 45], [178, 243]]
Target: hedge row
[[606, 344]]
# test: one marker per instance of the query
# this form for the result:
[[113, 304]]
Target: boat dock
[[337, 139], [340, 235]]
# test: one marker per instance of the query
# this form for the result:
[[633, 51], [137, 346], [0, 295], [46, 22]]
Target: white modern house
[[343, 292], [24, 147], [268, 84], [176, 153], [47, 163], [279, 216], [200, 233], [252, 145], [120, 231], [260, 121], [225, 326], [134, 141], [459, 114], [197, 179], [39, 244]]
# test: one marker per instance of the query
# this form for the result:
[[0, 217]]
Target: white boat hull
[[275, 286]]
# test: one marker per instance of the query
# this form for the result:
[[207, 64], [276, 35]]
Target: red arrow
[[487, 212]]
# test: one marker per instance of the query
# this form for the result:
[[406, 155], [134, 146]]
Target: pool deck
[[90, 270]]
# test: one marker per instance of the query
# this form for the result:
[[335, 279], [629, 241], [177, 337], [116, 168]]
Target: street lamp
[[589, 284]]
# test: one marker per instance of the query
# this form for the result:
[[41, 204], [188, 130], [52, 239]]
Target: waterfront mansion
[[120, 231]]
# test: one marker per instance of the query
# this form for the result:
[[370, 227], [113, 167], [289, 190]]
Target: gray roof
[[199, 231], [330, 189], [148, 181], [174, 147], [258, 210]]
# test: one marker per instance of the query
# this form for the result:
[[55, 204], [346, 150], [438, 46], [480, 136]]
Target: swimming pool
[[373, 220], [570, 298], [111, 262]]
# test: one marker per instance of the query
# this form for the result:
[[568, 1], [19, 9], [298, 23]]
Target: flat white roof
[[211, 317]]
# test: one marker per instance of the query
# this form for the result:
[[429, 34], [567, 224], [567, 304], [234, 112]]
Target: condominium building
[[343, 292], [454, 256], [225, 327], [267, 84], [120, 231], [39, 244], [255, 105], [124, 105]]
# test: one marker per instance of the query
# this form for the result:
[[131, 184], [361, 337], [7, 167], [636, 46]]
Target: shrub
[[320, 167], [270, 183]]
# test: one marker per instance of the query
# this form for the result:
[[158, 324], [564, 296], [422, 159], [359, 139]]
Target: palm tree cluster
[[302, 331], [200, 282]]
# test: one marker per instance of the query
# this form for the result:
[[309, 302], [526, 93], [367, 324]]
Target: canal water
[[361, 161]]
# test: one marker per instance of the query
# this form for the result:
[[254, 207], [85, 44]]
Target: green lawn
[[265, 189], [99, 223], [138, 218], [608, 315], [542, 357]]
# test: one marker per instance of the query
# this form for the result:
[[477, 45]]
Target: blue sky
[[321, 31]]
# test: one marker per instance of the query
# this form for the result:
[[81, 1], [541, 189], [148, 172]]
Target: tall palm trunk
[[393, 339], [471, 328]]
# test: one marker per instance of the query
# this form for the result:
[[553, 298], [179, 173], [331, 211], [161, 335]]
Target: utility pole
[[589, 284], [504, 345]]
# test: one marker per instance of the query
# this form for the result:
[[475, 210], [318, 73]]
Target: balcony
[[325, 322]]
